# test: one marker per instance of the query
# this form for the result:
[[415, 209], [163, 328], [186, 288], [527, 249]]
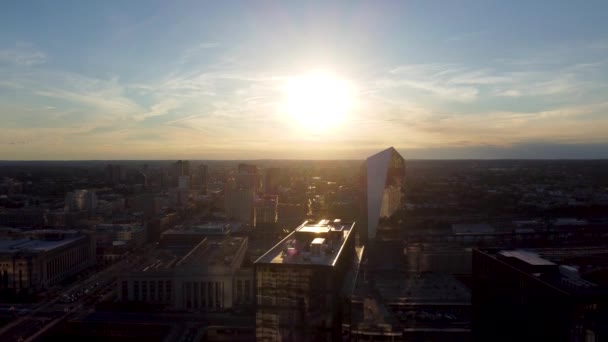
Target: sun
[[317, 100]]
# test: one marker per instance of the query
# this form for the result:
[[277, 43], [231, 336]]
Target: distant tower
[[81, 200], [204, 175], [238, 201], [248, 176], [384, 173], [271, 181], [141, 178], [115, 174], [179, 168]]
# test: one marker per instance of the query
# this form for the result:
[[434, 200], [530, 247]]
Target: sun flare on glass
[[317, 100]]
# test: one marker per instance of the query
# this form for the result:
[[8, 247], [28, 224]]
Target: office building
[[542, 294], [113, 240], [129, 232], [248, 176], [291, 213], [200, 179], [272, 178], [39, 259], [23, 217], [159, 224], [183, 182], [140, 178], [116, 174], [238, 201], [300, 283], [180, 168], [265, 211], [147, 204], [79, 200], [248, 168], [382, 177]]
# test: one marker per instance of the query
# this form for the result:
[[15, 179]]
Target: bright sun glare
[[317, 100]]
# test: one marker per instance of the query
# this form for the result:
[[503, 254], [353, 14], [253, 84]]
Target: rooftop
[[38, 246], [576, 270], [209, 252], [527, 257], [312, 243], [214, 251], [479, 228], [202, 229], [118, 227]]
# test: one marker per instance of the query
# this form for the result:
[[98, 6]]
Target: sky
[[206, 79]]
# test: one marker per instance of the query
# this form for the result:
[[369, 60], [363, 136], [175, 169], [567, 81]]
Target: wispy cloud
[[462, 83], [22, 55], [230, 105], [466, 36], [159, 109]]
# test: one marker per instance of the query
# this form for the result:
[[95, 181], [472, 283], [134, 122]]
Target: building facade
[[207, 277], [300, 283], [265, 210], [113, 240], [383, 175], [43, 259], [238, 202]]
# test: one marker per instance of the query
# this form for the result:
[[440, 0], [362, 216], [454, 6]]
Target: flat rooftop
[[37, 246], [118, 227], [209, 252], [200, 229], [311, 243], [527, 257], [573, 269], [213, 251]]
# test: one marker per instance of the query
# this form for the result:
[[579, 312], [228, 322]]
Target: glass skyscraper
[[383, 176]]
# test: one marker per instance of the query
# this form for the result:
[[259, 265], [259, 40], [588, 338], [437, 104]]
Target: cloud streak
[[22, 55]]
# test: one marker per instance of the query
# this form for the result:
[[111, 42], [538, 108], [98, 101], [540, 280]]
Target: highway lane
[[32, 324]]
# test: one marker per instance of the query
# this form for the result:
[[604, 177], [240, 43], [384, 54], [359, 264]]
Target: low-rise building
[[41, 259], [112, 240], [205, 277], [541, 294]]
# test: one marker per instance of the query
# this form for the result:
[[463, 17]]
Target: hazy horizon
[[229, 81], [523, 152]]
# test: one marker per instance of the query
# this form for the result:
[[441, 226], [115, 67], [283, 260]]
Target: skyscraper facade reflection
[[383, 175]]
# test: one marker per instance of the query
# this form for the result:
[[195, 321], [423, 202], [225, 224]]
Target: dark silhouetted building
[[238, 201], [202, 178], [272, 178], [23, 217], [265, 211], [248, 168], [548, 294], [115, 174]]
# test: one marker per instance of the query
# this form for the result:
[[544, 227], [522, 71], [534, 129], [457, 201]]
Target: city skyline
[[206, 80]]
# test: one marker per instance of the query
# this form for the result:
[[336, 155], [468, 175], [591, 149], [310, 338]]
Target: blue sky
[[203, 79]]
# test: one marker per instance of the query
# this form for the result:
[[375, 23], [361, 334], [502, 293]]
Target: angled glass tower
[[383, 176]]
